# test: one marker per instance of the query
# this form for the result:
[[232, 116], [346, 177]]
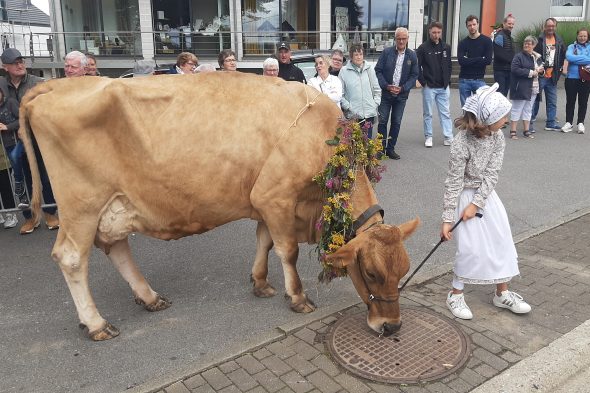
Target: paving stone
[[486, 343], [412, 388], [230, 389], [351, 383], [511, 357], [381, 388], [460, 386], [329, 320], [257, 389], [485, 370], [307, 351], [286, 389], [269, 381], [316, 325], [306, 335], [228, 367], [289, 340], [204, 389], [438, 387], [471, 377], [282, 351], [250, 364], [504, 342], [490, 359], [216, 378], [194, 382], [262, 353], [301, 365], [323, 382], [276, 365], [297, 382], [242, 379], [326, 364], [177, 387]]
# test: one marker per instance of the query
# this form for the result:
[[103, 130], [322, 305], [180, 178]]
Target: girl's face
[[497, 125], [583, 37]]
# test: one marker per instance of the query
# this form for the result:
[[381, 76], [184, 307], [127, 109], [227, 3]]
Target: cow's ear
[[407, 228], [345, 255]]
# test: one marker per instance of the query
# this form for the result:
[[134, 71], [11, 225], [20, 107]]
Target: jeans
[[16, 156], [441, 97], [502, 77], [550, 88], [47, 192], [396, 105], [575, 88], [468, 87]]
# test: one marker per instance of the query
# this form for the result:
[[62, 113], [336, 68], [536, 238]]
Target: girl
[[485, 249]]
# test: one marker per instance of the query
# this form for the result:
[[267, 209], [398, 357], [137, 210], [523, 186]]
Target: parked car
[[160, 69], [305, 59]]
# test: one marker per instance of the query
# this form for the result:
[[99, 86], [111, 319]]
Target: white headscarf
[[487, 104]]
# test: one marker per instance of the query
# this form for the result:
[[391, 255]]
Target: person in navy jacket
[[397, 72]]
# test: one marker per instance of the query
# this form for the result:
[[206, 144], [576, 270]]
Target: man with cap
[[287, 70], [15, 84]]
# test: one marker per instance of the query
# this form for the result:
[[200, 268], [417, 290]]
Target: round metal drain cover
[[426, 348]]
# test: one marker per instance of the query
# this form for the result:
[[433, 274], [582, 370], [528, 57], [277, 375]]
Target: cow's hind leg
[[71, 251], [260, 268], [120, 255]]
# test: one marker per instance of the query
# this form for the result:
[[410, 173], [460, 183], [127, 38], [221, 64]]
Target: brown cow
[[172, 156]]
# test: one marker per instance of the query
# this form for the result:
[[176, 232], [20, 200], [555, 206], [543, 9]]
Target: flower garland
[[354, 149]]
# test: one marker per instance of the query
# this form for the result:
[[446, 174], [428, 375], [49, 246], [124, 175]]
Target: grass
[[566, 30]]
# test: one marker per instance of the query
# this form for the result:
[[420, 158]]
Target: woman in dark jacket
[[524, 86]]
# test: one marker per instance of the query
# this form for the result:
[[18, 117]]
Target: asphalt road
[[207, 277]]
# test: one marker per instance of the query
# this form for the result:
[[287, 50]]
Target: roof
[[22, 12]]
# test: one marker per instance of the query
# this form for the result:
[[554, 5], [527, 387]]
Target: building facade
[[119, 32]]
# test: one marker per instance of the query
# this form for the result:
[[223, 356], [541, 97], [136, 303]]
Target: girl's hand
[[469, 212], [445, 231]]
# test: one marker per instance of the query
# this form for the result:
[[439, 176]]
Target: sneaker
[[393, 155], [532, 128], [567, 127], [428, 142], [581, 128], [447, 142], [553, 127], [29, 226], [512, 301], [51, 221], [458, 307], [23, 202], [10, 221]]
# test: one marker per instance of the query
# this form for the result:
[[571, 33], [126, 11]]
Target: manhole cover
[[426, 348]]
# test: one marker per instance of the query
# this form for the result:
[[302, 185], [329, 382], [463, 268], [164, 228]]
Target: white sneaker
[[567, 127], [447, 142], [512, 301], [428, 142], [458, 307], [11, 220], [581, 128]]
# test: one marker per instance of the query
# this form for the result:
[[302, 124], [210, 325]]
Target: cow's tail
[[26, 136]]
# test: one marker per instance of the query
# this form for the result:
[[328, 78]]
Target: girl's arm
[[490, 173], [455, 177]]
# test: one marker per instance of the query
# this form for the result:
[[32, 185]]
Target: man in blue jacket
[[397, 71]]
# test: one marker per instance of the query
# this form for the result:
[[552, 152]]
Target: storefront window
[[266, 22], [103, 27], [567, 9], [197, 26], [375, 21]]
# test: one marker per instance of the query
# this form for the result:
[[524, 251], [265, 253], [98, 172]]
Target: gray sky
[[43, 5]]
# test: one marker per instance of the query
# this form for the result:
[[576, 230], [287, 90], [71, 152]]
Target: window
[[103, 27], [568, 9], [468, 7]]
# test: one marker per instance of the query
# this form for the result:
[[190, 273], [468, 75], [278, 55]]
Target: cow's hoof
[[304, 306], [161, 303], [106, 332], [266, 291]]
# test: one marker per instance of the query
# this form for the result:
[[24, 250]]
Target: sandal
[[513, 135], [528, 134]]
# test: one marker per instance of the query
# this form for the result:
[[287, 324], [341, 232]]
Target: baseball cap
[[10, 55], [283, 45]]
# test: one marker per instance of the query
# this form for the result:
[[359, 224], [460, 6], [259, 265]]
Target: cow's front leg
[[288, 251], [71, 252], [259, 276], [120, 256]]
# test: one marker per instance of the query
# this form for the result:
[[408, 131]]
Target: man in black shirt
[[287, 70]]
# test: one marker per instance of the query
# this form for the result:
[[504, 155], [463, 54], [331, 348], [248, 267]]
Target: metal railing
[[207, 44]]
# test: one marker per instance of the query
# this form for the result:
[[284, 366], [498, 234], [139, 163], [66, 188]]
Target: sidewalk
[[547, 350]]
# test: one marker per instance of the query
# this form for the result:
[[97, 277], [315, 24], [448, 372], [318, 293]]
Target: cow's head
[[376, 261]]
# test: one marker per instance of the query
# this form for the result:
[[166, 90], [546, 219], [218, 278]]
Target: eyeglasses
[[229, 60], [190, 63], [18, 62]]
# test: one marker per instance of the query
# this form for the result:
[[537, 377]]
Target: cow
[[172, 156]]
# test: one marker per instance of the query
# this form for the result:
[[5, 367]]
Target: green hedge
[[567, 31]]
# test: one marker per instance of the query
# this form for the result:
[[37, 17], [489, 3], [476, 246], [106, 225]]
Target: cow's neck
[[362, 198]]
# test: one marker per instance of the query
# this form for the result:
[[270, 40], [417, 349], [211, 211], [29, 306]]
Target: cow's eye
[[370, 275]]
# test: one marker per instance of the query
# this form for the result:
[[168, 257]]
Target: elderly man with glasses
[[270, 67]]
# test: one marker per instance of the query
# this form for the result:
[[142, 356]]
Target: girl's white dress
[[485, 248]]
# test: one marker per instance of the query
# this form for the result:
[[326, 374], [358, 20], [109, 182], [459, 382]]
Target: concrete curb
[[547, 370]]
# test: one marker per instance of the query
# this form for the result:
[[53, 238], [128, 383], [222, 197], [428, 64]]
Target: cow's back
[[189, 148]]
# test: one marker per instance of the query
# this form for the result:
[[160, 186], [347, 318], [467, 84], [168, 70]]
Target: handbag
[[585, 73]]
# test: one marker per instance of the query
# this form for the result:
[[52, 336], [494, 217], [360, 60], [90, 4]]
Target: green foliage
[[566, 30]]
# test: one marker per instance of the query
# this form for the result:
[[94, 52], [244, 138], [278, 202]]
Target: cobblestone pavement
[[555, 269]]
